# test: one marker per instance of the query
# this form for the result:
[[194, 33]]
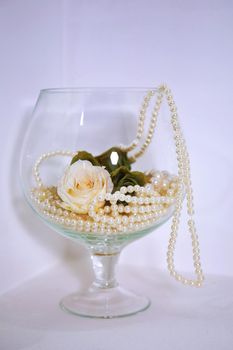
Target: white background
[[187, 44]]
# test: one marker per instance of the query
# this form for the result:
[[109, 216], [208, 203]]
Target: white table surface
[[180, 317]]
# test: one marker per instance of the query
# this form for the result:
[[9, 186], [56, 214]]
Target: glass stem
[[104, 266]]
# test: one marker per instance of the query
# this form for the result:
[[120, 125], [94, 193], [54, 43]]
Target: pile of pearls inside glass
[[131, 209]]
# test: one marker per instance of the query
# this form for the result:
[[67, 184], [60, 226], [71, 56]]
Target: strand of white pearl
[[143, 212], [151, 129], [46, 156], [103, 223], [141, 122], [184, 174], [185, 182], [120, 223]]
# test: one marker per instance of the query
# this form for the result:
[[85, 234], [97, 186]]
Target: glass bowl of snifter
[[90, 170]]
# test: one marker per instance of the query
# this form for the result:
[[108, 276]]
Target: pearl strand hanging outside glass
[[184, 177]]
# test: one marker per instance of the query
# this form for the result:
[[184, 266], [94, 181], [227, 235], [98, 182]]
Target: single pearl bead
[[121, 208], [157, 175], [165, 184], [132, 219], [101, 211], [128, 198], [140, 200], [122, 197], [141, 209], [130, 189], [142, 190], [111, 221], [95, 226], [170, 193], [107, 209], [97, 218], [118, 220], [125, 219], [115, 197], [108, 196], [134, 210], [123, 189], [134, 200], [100, 197], [104, 219], [114, 207], [127, 209]]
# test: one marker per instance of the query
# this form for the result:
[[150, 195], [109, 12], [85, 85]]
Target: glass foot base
[[104, 303]]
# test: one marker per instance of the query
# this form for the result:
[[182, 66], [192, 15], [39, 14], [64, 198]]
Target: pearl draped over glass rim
[[146, 206]]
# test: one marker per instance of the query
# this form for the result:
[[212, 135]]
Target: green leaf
[[113, 159], [124, 177], [118, 174], [83, 155], [134, 178]]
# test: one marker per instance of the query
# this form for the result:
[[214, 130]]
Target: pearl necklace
[[124, 224], [184, 175], [144, 208]]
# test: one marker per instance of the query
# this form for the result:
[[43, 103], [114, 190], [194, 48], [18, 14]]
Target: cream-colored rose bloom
[[81, 183]]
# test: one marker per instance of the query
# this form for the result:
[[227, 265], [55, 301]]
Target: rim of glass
[[97, 88]]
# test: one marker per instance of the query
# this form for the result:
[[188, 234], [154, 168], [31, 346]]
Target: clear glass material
[[91, 119]]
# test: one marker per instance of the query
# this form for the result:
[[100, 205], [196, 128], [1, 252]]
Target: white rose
[[81, 183]]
